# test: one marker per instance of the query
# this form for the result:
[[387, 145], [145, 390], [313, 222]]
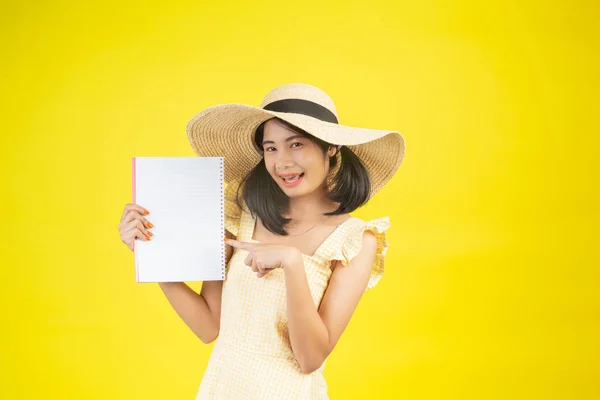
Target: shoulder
[[366, 240], [358, 227]]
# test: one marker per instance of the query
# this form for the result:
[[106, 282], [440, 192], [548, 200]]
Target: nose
[[283, 161]]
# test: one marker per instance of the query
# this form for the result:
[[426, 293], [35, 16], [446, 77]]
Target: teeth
[[292, 179]]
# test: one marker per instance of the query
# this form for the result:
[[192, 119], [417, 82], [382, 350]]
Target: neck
[[310, 207]]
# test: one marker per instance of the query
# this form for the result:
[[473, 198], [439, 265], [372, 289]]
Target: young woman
[[297, 262]]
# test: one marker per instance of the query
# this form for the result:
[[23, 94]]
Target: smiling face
[[291, 155]]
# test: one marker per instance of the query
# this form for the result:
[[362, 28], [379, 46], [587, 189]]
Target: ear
[[332, 151]]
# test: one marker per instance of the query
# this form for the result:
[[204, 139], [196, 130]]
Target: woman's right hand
[[134, 225]]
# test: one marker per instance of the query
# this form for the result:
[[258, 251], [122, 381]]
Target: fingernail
[[150, 225], [225, 240], [146, 212], [150, 233], [147, 238]]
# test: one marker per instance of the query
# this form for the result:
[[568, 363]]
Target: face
[[301, 161]]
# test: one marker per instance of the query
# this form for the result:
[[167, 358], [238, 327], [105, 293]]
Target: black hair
[[350, 187]]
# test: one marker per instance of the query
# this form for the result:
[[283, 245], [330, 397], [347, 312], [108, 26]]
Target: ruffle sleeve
[[353, 243], [232, 209]]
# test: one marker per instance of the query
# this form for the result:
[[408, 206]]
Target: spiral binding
[[222, 221]]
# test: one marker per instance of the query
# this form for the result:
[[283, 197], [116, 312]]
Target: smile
[[292, 180]]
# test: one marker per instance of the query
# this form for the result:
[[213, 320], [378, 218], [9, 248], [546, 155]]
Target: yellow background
[[491, 288]]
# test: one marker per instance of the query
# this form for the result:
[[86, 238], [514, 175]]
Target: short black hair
[[350, 187]]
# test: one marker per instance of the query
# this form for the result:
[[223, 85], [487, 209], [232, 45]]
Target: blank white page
[[185, 198]]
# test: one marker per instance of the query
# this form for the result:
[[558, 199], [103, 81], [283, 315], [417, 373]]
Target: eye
[[298, 143], [267, 149]]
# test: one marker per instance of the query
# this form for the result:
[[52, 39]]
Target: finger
[[135, 207], [254, 266], [139, 234], [130, 216], [248, 260], [262, 270], [134, 234], [240, 245], [133, 215], [138, 224], [260, 267], [134, 219]]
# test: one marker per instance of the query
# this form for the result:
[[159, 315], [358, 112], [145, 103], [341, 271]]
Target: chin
[[295, 192]]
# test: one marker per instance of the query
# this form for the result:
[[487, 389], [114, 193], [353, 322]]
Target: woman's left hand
[[263, 257]]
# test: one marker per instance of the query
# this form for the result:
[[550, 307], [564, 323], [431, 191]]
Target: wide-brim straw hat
[[228, 130]]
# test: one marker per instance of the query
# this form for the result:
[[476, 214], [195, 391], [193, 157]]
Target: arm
[[200, 312], [314, 333]]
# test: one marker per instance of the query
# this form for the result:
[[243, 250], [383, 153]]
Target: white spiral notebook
[[185, 198]]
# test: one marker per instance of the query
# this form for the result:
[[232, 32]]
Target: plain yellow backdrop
[[492, 282]]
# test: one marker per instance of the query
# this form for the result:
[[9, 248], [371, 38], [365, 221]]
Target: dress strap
[[246, 226]]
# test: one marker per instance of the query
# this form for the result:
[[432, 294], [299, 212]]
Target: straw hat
[[228, 131]]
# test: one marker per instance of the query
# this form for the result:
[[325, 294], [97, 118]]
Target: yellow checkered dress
[[252, 356]]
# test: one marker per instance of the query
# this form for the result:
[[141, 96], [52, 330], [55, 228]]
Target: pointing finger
[[239, 244]]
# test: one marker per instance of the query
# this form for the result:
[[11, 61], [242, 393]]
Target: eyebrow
[[287, 140]]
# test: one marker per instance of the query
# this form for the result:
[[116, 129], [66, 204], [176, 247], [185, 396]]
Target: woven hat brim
[[227, 131]]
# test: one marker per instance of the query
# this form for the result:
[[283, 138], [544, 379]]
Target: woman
[[297, 262]]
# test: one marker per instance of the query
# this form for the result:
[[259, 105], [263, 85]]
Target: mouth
[[291, 180]]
